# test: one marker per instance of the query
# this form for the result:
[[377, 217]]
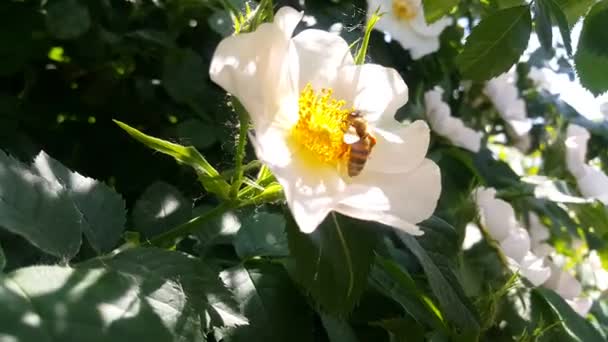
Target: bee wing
[[351, 136]]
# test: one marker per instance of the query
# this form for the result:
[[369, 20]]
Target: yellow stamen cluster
[[404, 9], [321, 126]]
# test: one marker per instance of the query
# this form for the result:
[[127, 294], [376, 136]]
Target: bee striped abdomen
[[359, 152]]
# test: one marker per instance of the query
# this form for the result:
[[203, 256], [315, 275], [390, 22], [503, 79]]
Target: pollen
[[404, 9], [321, 125]]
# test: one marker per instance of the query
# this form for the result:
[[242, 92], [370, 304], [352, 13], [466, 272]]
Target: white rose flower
[[600, 275], [576, 149], [498, 218], [533, 268], [569, 288], [440, 118], [539, 234], [404, 21], [503, 93], [592, 183], [581, 305], [299, 92]]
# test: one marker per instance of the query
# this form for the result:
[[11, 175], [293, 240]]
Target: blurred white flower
[[503, 93], [472, 236], [569, 288], [539, 234], [592, 183], [600, 275], [404, 21], [299, 92], [498, 218], [440, 118], [576, 149]]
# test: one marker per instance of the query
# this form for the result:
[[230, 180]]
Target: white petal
[[576, 148], [379, 216], [593, 184], [433, 30], [375, 90], [410, 197], [543, 250], [497, 216], [562, 282], [320, 54], [255, 68], [581, 305], [440, 118], [538, 231], [517, 244], [399, 148], [533, 269]]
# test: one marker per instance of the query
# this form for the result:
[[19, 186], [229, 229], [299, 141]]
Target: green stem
[[237, 179], [188, 227]]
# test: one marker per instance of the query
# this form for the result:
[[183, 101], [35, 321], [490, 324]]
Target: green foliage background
[[102, 238]]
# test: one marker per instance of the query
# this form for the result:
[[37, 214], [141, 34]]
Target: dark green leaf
[[436, 9], [149, 295], [542, 24], [67, 19], [160, 208], [262, 234], [197, 133], [40, 211], [276, 311], [102, 209], [402, 330], [333, 262], [592, 53], [337, 329], [184, 75], [396, 283], [449, 293], [496, 43], [221, 230], [574, 326], [562, 23], [2, 259]]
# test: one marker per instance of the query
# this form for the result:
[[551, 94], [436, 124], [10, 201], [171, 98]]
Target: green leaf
[[262, 234], [220, 230], [402, 330], [160, 208], [102, 209], [396, 283], [276, 311], [592, 53], [188, 155], [562, 24], [574, 326], [542, 24], [448, 292], [337, 329], [436, 9], [574, 9], [495, 44], [145, 294], [67, 19], [197, 133], [333, 262], [2, 259], [184, 75], [40, 211]]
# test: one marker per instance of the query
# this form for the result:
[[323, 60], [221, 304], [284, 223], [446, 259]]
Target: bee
[[361, 142]]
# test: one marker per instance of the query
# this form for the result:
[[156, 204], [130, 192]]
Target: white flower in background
[[440, 118], [592, 183], [599, 275], [404, 21], [498, 218], [569, 288], [503, 93], [576, 149], [299, 92], [539, 234]]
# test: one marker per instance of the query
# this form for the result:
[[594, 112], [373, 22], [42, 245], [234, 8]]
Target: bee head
[[355, 114]]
